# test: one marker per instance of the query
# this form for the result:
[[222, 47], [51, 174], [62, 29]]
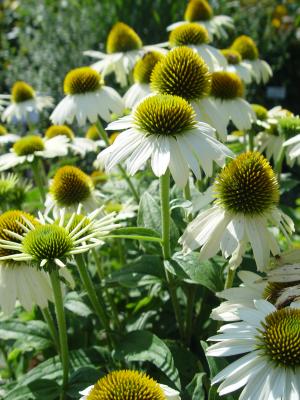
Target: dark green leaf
[[195, 388]]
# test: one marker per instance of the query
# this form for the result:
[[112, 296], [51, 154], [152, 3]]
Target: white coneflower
[[289, 127], [26, 149], [141, 75], [227, 92], [261, 70], [6, 137], [235, 64], [13, 190], [123, 48], [19, 280], [247, 195], [86, 98], [200, 12], [163, 128], [69, 187], [50, 244], [124, 210], [26, 104], [183, 73], [77, 145], [271, 367], [128, 385], [196, 37]]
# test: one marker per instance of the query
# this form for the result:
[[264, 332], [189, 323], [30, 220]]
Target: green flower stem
[[37, 168], [115, 314], [188, 196], [279, 163], [52, 328], [251, 140], [166, 247], [62, 329], [229, 278], [97, 303], [104, 136]]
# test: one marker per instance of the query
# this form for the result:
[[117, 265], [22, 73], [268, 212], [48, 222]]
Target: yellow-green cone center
[[164, 115], [260, 111], [226, 85], [47, 242], [281, 337], [3, 130], [28, 145], [21, 91], [198, 10], [182, 73], [59, 130], [82, 80], [247, 185], [122, 38], [188, 34], [289, 127], [144, 67], [233, 57], [9, 221], [246, 47], [70, 186], [93, 133], [126, 385]]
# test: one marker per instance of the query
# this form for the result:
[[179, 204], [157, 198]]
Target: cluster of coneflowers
[[183, 99]]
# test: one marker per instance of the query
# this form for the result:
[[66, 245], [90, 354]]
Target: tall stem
[[97, 303], [37, 174], [62, 329], [279, 163], [166, 248], [251, 140], [133, 190], [52, 329], [110, 299], [188, 196], [229, 278]]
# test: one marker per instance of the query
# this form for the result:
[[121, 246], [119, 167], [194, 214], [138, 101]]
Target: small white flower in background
[[236, 65], [87, 99], [124, 211], [27, 148], [51, 243], [163, 128], [260, 69], [70, 187], [25, 105], [200, 12], [289, 127], [6, 137], [78, 145], [196, 37], [124, 47], [271, 367], [141, 75], [227, 92], [127, 385], [247, 195], [19, 280]]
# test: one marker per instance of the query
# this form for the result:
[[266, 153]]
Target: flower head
[[226, 85], [21, 92], [182, 73], [198, 10], [246, 47], [122, 38], [188, 34], [82, 80], [93, 133], [128, 385], [59, 130], [232, 56], [144, 67], [289, 127], [28, 145]]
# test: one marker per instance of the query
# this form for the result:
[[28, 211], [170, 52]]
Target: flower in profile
[[141, 75], [25, 104], [128, 385], [270, 369], [13, 190], [246, 199], [19, 280], [196, 37], [163, 128], [6, 137], [123, 48], [29, 147], [70, 187], [50, 244], [235, 64], [260, 69], [77, 145], [289, 128], [124, 210], [227, 92], [200, 12], [86, 98]]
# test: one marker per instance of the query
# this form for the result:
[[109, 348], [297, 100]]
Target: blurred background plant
[[41, 41]]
